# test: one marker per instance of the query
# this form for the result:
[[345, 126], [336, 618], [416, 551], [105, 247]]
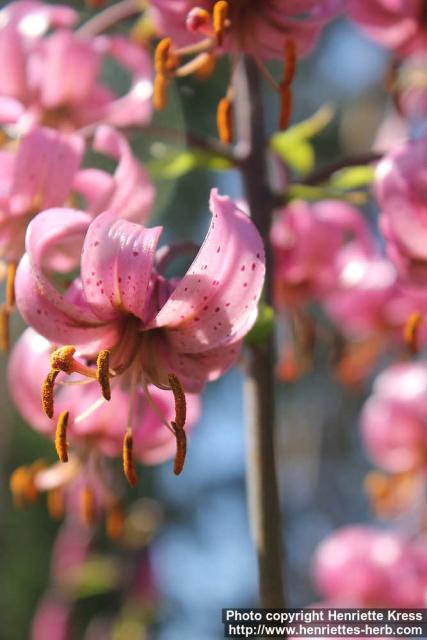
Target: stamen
[[47, 392], [411, 332], [63, 360], [181, 449], [55, 503], [88, 412], [103, 372], [165, 62], [4, 328], [285, 106], [10, 285], [180, 401], [290, 56], [220, 20], [22, 483], [128, 465], [206, 67], [224, 121], [290, 61], [87, 505], [161, 84], [61, 437], [115, 521]]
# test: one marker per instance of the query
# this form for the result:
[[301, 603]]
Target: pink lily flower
[[306, 241], [400, 187], [368, 299], [394, 422], [93, 425], [193, 329], [398, 24], [45, 172], [55, 79], [259, 29], [363, 566]]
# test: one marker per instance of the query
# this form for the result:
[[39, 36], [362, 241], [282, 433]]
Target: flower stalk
[[262, 486]]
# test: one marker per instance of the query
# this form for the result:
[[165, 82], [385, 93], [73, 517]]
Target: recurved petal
[[216, 300], [134, 192], [117, 263], [46, 164], [51, 313]]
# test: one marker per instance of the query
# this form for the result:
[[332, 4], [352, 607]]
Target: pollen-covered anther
[[180, 401], [220, 20], [128, 464], [4, 328], [115, 521], [290, 62], [165, 61], [161, 84], [103, 372], [55, 503], [22, 483], [10, 285], [47, 392], [224, 120], [206, 66], [285, 106], [411, 331], [87, 505], [181, 449], [61, 437], [63, 359]]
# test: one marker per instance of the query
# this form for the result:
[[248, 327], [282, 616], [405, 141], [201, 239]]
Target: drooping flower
[[252, 26], [400, 188], [362, 566], [394, 419], [54, 79], [398, 24], [306, 241], [45, 172], [368, 300], [121, 313]]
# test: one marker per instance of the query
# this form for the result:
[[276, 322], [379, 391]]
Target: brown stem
[[323, 173], [263, 494], [110, 17]]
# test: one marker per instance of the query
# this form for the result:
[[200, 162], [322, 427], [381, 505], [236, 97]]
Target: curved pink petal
[[194, 370], [216, 300], [134, 193], [136, 105], [70, 69], [27, 368], [96, 187], [117, 263], [52, 314], [45, 166]]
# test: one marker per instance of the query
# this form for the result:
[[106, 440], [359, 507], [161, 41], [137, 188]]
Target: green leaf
[[353, 177], [313, 193], [293, 145], [263, 326], [175, 164], [98, 575]]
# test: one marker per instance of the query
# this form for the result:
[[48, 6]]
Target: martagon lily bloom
[[121, 313], [361, 566], [45, 171], [394, 419], [257, 28], [55, 80], [398, 24], [400, 188]]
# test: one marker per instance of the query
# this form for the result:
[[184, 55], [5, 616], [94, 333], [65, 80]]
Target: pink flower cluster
[[115, 353]]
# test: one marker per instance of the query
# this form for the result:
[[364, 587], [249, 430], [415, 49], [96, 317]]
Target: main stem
[[263, 494]]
